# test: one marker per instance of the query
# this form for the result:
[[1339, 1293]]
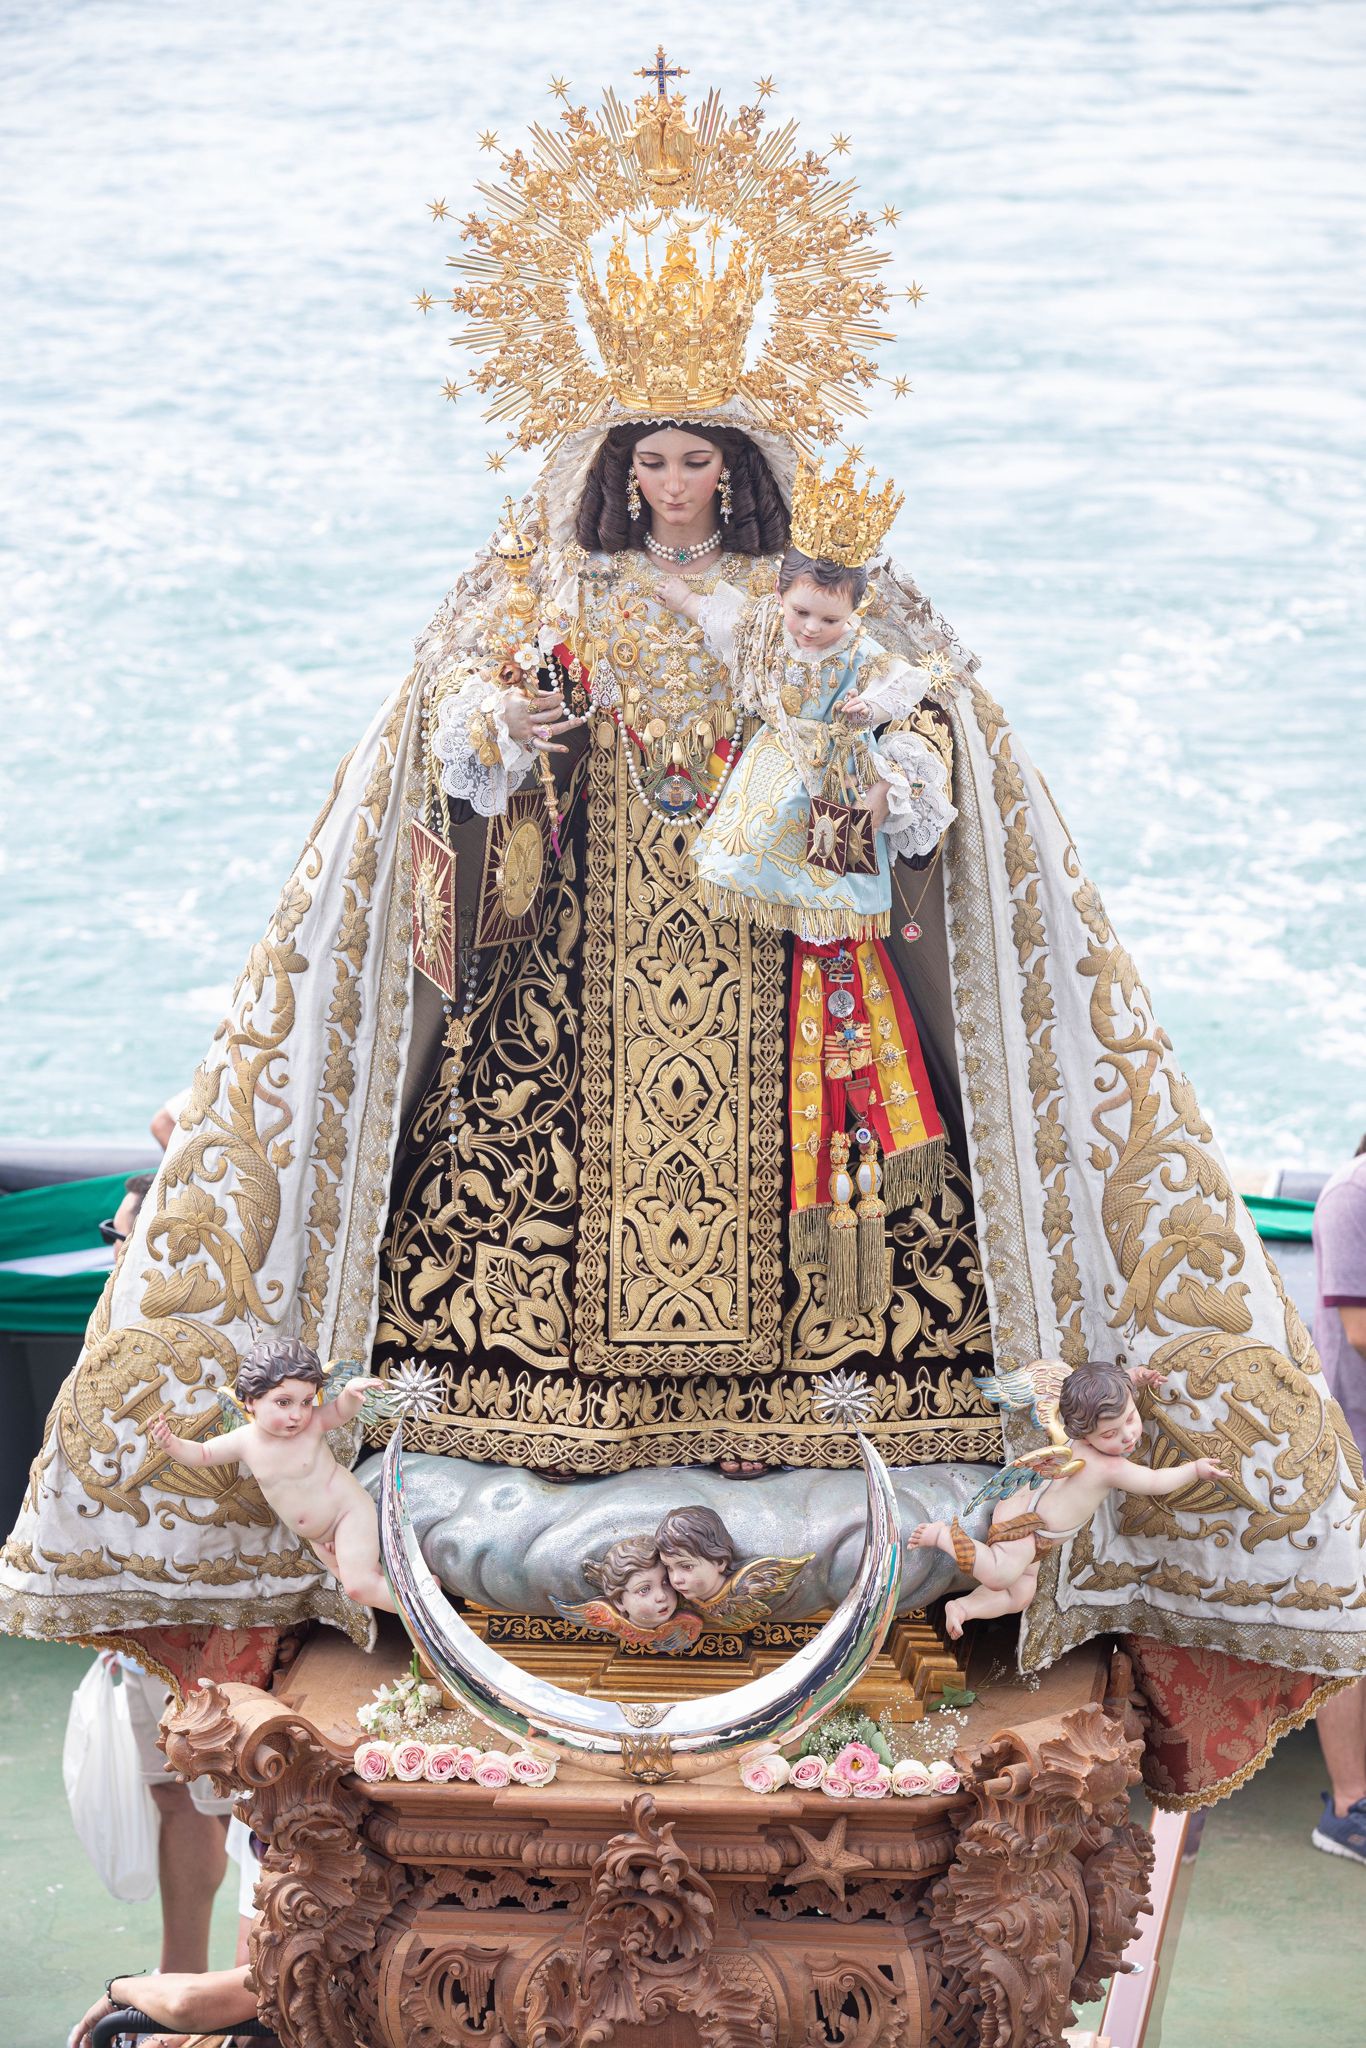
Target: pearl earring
[[632, 494], [725, 491]]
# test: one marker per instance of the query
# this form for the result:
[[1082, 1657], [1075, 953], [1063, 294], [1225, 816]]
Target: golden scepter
[[516, 550]]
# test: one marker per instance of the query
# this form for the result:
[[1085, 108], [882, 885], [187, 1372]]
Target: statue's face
[[693, 1577], [678, 474], [647, 1598]]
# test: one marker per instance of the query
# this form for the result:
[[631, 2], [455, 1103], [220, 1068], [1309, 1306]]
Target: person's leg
[[191, 1860], [1342, 1738]]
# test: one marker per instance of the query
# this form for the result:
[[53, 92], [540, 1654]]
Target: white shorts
[[147, 1701], [249, 1869]]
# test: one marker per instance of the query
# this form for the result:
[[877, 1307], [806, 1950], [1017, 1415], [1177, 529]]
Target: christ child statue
[[799, 660], [284, 1446], [1096, 1409]]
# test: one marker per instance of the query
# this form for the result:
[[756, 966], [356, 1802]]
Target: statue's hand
[[533, 721]]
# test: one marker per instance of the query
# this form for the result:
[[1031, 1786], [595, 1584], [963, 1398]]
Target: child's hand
[[1210, 1468], [675, 593], [854, 711], [161, 1432], [1146, 1376]]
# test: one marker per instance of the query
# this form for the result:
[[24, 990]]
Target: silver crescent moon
[[686, 1738]]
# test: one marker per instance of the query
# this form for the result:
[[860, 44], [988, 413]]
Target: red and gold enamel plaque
[[435, 941]]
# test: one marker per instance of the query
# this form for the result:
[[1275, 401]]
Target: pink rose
[[528, 1769], [910, 1777], [410, 1761], [373, 1761], [442, 1763], [874, 1785], [466, 1762], [943, 1777], [855, 1761], [808, 1773], [493, 1770], [835, 1785], [764, 1773]]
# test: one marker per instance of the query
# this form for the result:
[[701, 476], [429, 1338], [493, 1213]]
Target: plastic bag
[[111, 1808]]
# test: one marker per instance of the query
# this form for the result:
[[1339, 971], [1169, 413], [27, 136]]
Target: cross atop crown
[[662, 71]]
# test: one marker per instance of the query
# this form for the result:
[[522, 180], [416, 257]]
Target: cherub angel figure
[[1047, 1496], [282, 1389], [637, 1604], [698, 1556]]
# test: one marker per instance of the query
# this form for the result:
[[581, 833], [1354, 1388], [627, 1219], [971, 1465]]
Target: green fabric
[[1283, 1221], [65, 1218]]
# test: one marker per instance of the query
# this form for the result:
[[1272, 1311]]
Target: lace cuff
[[481, 762], [718, 617], [892, 691], [919, 812]]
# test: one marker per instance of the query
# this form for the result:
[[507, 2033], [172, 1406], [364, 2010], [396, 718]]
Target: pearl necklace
[[680, 555], [702, 804]]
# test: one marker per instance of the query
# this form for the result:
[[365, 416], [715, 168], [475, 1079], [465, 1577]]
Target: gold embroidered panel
[[680, 1249]]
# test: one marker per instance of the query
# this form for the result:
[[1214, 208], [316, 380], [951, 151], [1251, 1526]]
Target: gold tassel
[[874, 1291], [913, 1177], [808, 1237], [811, 923], [842, 1270]]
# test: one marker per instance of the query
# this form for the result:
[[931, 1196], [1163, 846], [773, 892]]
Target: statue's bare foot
[[933, 1536], [954, 1618], [743, 1468]]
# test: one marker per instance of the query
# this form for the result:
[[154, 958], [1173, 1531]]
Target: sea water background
[[230, 493]]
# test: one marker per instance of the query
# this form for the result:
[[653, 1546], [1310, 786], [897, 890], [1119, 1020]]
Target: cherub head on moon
[[661, 1592]]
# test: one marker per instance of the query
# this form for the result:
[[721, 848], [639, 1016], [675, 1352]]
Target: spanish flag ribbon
[[853, 1045]]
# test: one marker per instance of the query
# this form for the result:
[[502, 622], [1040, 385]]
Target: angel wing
[[666, 1638], [231, 1414], [337, 1377], [1053, 1461], [1034, 1387], [750, 1595]]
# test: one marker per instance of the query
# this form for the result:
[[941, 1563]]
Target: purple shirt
[[1340, 1282]]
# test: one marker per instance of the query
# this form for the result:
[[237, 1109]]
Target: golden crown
[[833, 520], [692, 219]]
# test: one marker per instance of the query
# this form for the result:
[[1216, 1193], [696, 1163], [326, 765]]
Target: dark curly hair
[[1091, 1394], [758, 523], [825, 575], [275, 1359]]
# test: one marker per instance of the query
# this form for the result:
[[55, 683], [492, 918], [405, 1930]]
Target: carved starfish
[[827, 1862]]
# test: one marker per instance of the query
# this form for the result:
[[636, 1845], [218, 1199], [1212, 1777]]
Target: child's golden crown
[[833, 520]]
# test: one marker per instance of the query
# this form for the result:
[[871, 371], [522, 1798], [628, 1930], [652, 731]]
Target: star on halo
[[915, 293], [840, 145], [557, 88], [900, 386], [825, 1862], [450, 390], [855, 453], [437, 209], [424, 302], [891, 215], [844, 1397], [488, 138], [764, 86], [493, 460]]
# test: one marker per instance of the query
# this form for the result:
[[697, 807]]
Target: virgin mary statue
[[547, 1184]]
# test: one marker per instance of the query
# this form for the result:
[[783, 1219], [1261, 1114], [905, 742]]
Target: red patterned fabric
[[237, 1656], [1214, 1719]]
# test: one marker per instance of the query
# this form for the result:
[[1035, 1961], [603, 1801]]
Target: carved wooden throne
[[590, 1914]]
